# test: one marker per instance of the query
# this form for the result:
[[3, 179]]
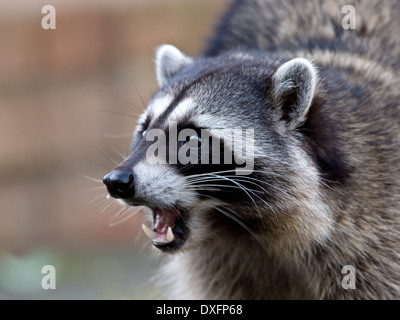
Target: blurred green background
[[69, 99]]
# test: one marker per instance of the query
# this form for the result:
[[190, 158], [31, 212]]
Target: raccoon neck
[[233, 270]]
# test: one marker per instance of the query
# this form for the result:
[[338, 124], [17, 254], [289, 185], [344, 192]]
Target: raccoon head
[[222, 152]]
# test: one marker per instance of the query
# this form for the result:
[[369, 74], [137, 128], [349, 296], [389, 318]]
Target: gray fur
[[327, 153]]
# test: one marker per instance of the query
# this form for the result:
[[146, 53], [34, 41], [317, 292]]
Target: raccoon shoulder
[[272, 25]]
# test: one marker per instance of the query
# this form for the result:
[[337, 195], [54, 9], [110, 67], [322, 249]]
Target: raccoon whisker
[[123, 157], [209, 177], [200, 179], [243, 178], [118, 214], [203, 187], [123, 153], [103, 204], [205, 178], [233, 215], [236, 218], [251, 182], [126, 212], [138, 93], [234, 170], [108, 205], [239, 186], [84, 191], [96, 163], [326, 185], [117, 136], [115, 161], [260, 181], [187, 167], [199, 183], [235, 182], [127, 104], [197, 188], [117, 113], [263, 200], [95, 199], [93, 144], [209, 173], [88, 178], [175, 207], [244, 189], [253, 191]]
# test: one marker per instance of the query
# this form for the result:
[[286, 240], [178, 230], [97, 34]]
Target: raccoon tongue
[[164, 221]]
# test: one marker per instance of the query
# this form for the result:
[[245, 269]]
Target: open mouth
[[169, 232]]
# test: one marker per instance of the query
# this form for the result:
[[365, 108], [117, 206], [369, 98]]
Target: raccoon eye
[[144, 133]]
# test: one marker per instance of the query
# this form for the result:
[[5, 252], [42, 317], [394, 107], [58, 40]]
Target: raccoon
[[323, 190]]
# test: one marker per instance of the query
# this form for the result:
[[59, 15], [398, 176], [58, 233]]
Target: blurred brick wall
[[54, 103]]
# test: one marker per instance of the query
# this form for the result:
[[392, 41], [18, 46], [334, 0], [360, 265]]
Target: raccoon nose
[[120, 184]]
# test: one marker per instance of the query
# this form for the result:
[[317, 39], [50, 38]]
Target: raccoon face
[[217, 152]]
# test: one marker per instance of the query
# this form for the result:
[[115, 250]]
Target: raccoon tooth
[[170, 235], [149, 233]]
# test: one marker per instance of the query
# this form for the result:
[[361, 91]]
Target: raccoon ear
[[169, 60], [294, 86]]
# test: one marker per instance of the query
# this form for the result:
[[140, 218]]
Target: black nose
[[120, 184]]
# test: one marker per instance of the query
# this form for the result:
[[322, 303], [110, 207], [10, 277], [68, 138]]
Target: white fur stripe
[[182, 109], [158, 106]]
